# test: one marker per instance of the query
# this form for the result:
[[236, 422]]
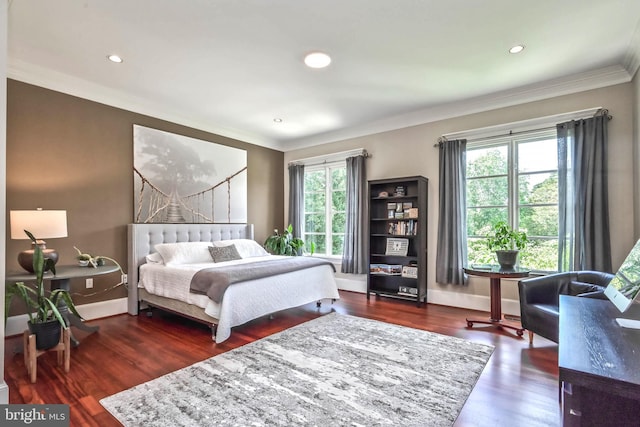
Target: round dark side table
[[62, 280], [495, 274]]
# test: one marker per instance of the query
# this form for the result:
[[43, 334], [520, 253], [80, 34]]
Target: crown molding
[[595, 79], [60, 82], [631, 60], [74, 86], [527, 125]]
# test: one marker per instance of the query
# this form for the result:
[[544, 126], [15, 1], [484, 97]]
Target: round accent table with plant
[[495, 274], [45, 319], [53, 306]]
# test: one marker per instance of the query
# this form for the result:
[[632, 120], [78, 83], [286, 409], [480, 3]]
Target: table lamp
[[43, 225]]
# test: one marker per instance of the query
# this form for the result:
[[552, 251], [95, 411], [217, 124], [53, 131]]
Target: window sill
[[332, 258]]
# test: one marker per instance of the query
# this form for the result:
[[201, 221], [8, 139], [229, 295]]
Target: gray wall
[[410, 151]]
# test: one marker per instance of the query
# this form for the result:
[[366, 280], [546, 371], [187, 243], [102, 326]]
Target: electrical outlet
[[89, 283], [123, 279]]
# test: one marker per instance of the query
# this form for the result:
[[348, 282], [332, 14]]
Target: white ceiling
[[232, 66]]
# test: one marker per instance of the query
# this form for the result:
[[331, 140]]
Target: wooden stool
[[31, 354]]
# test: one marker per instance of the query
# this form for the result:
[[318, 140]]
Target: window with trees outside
[[514, 179], [325, 194]]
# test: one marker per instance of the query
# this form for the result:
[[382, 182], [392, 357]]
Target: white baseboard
[[472, 302], [17, 324], [352, 282], [358, 283]]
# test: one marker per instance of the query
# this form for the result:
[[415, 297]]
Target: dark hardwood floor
[[519, 386]]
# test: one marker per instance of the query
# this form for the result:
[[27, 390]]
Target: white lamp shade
[[42, 224]]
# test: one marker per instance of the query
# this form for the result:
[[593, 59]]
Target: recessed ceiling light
[[516, 49], [114, 58], [317, 60], [277, 120]]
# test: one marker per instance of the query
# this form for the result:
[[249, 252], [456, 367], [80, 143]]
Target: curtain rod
[[543, 121], [333, 157], [444, 139]]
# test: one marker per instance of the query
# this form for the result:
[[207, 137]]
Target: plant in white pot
[[45, 320], [506, 242], [88, 260]]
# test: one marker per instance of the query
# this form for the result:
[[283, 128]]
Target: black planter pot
[[507, 259], [47, 333]]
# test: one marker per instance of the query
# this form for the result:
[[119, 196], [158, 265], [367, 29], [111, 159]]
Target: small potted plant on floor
[[506, 243], [45, 320]]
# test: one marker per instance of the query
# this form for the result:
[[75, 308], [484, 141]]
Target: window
[[325, 194], [514, 179]]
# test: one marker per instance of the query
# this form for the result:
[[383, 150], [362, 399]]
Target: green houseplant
[[506, 242], [43, 307], [88, 260], [285, 243]]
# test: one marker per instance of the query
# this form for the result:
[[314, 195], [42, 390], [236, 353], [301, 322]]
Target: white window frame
[[490, 135], [513, 172], [328, 167]]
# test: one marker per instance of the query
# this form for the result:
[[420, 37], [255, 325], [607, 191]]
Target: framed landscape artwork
[[178, 179]]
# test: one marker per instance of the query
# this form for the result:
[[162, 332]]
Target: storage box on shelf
[[398, 238]]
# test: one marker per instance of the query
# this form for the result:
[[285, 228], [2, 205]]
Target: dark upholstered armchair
[[540, 298]]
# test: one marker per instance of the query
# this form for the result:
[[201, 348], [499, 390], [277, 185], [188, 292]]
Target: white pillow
[[154, 258], [247, 248], [184, 252]]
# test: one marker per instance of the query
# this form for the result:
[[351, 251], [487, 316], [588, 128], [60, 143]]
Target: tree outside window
[[514, 180], [325, 208]]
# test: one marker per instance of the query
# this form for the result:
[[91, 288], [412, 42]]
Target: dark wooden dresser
[[599, 364]]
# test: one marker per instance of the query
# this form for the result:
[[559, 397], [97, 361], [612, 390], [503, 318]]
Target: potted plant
[[285, 243], [45, 320], [88, 260], [506, 242]]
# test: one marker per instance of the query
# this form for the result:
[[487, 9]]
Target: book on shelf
[[385, 269], [407, 291], [404, 228], [409, 271]]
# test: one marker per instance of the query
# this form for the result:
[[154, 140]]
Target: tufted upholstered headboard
[[143, 237]]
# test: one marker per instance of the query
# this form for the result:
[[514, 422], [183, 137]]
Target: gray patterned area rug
[[336, 370]]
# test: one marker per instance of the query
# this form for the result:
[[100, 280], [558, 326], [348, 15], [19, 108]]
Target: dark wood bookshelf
[[404, 224]]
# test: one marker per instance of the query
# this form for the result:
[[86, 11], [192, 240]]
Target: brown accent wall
[[65, 152]]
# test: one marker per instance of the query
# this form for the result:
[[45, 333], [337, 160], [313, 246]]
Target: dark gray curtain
[[584, 240], [452, 223], [296, 198], [354, 256]]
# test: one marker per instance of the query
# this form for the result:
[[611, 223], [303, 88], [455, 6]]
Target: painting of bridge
[[178, 179]]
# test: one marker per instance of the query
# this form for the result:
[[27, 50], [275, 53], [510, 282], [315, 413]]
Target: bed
[[166, 286]]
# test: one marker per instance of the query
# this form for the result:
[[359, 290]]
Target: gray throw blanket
[[214, 281]]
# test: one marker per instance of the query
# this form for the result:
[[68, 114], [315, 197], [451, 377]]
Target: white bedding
[[242, 301]]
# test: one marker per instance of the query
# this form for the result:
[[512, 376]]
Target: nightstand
[[62, 280]]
